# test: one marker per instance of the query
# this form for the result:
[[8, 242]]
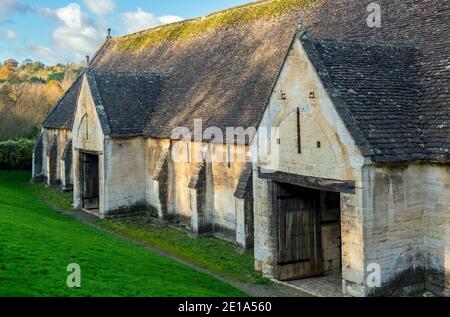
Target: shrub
[[57, 76], [16, 154]]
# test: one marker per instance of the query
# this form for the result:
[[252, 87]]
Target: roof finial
[[301, 28], [109, 33]]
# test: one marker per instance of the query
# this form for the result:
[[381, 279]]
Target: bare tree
[[10, 96]]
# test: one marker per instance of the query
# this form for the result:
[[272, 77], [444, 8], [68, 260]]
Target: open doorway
[[89, 181], [309, 235], [52, 162]]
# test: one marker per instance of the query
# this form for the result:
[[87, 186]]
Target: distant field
[[37, 244]]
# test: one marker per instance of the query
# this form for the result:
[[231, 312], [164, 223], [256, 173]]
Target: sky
[[65, 31]]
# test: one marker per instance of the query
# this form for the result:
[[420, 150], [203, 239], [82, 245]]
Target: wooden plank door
[[90, 181], [299, 242]]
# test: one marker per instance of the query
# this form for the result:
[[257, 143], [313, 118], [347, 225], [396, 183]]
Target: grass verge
[[212, 254], [37, 244]]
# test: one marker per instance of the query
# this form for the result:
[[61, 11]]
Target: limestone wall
[[124, 173], [180, 171], [327, 151], [407, 227], [87, 131], [327, 148], [141, 172], [37, 172], [435, 182], [156, 165], [66, 170], [225, 177], [122, 162], [398, 217], [330, 230], [393, 227], [87, 136], [170, 168], [48, 135]]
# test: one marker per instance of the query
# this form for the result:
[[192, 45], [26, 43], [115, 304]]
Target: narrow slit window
[[87, 128], [229, 156], [188, 154], [299, 141]]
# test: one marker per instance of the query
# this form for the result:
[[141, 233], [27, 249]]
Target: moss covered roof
[[178, 31], [221, 68], [223, 76]]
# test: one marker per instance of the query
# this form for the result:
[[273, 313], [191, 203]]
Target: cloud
[[140, 20], [8, 34], [9, 6], [100, 7], [76, 34], [43, 52], [13, 6]]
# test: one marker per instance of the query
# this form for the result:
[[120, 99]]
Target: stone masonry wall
[[87, 135], [436, 242], [330, 228], [48, 136], [407, 227], [222, 213], [393, 227], [125, 185], [327, 151]]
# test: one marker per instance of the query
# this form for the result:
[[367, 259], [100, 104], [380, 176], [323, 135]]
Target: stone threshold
[[94, 212], [319, 286], [98, 214]]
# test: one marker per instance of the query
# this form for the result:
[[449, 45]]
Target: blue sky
[[66, 30]]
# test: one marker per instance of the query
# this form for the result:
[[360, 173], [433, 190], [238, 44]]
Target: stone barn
[[322, 144]]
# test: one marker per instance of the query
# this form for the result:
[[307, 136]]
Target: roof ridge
[[161, 74], [97, 53], [266, 10], [198, 18]]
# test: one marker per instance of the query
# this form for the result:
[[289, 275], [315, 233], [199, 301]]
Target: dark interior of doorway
[[89, 181], [309, 233]]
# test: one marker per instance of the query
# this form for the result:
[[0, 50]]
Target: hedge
[[16, 154]]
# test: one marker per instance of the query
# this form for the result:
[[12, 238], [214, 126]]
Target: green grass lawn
[[37, 244], [210, 253]]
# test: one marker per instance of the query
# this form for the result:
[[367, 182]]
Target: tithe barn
[[291, 127]]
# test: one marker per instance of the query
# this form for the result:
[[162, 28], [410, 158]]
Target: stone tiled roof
[[127, 100], [225, 75], [62, 115], [375, 89], [420, 23]]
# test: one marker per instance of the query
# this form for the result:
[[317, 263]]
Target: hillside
[[27, 93]]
